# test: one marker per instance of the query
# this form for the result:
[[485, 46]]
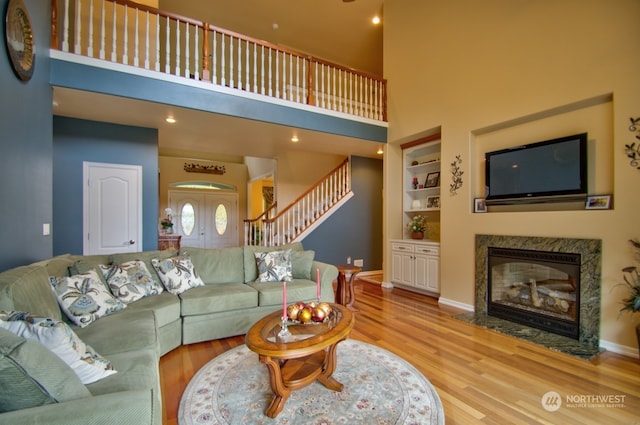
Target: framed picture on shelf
[[480, 206], [433, 179], [598, 202], [433, 202]]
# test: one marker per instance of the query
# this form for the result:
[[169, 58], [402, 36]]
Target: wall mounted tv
[[548, 171]]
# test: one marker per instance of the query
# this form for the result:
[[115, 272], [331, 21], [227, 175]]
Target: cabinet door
[[433, 274], [422, 271], [401, 268]]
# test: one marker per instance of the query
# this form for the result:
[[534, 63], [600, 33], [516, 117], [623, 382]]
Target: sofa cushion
[[301, 262], [145, 256], [84, 297], [216, 298], [297, 290], [84, 263], [27, 288], [57, 337], [224, 265], [137, 369], [31, 375], [58, 265], [177, 274], [274, 266], [165, 306], [130, 281], [127, 330], [250, 266]]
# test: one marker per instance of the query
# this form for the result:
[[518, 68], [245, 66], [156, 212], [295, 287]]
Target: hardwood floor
[[482, 377]]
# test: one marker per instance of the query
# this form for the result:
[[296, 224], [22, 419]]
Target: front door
[[205, 220], [112, 208]]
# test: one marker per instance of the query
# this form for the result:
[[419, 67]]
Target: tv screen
[[552, 170]]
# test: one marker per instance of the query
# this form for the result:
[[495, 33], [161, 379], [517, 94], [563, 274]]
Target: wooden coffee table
[[309, 354]]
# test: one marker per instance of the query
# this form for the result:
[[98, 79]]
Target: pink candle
[[318, 283], [284, 300]]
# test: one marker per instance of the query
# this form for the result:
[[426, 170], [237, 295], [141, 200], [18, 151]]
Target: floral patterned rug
[[379, 388]]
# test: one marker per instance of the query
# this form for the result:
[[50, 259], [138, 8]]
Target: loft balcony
[[120, 48]]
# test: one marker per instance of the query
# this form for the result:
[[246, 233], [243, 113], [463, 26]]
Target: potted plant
[[417, 226], [167, 222], [631, 276]]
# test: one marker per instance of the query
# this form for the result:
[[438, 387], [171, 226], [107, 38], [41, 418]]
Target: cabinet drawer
[[427, 250], [402, 247]]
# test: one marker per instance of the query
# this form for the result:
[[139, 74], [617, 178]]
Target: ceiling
[[206, 135]]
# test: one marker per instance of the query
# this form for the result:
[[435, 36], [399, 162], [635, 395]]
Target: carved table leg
[[280, 391], [331, 361]]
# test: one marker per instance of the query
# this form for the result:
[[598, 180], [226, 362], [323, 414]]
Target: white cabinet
[[416, 265]]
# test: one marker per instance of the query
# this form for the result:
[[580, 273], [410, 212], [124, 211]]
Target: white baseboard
[[619, 349], [456, 304], [387, 285]]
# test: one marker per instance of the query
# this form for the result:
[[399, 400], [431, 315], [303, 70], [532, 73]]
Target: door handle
[[131, 242]]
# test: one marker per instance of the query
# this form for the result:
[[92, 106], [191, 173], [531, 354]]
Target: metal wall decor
[[633, 149], [456, 175], [207, 169]]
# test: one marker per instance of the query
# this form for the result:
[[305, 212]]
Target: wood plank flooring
[[482, 377]]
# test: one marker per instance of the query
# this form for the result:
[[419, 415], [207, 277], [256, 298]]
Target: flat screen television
[[548, 171]]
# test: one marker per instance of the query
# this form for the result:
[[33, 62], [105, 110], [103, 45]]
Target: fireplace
[[540, 289], [566, 273]]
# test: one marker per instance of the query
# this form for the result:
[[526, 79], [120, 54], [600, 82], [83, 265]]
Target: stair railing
[[253, 228], [130, 33], [307, 208]]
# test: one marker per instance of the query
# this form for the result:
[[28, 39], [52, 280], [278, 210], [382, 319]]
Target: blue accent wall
[[76, 141], [356, 229], [99, 80], [25, 148]]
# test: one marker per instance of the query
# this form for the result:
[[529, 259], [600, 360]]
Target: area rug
[[379, 388]]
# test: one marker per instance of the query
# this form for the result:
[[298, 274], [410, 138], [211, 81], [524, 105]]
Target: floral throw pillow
[[274, 266], [177, 274], [130, 281], [84, 298], [60, 339]]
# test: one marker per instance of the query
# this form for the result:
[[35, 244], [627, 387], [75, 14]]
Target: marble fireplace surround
[[589, 311]]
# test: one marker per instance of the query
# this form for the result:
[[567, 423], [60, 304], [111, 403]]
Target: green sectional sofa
[[134, 338]]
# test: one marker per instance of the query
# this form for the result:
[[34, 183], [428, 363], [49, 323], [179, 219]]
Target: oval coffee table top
[[305, 339]]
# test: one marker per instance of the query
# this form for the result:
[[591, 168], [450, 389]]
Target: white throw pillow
[[84, 298], [177, 274], [274, 266], [60, 339], [130, 281]]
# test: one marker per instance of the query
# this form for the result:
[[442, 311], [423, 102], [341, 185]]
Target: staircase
[[303, 215]]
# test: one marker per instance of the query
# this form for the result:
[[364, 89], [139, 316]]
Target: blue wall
[[356, 229], [75, 141], [25, 148]]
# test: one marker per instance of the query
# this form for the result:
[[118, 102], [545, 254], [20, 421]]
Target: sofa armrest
[[125, 407], [328, 274]]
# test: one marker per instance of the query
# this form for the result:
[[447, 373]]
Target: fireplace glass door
[[535, 288]]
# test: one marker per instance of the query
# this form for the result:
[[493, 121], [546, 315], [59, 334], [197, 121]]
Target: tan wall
[[298, 171], [504, 72]]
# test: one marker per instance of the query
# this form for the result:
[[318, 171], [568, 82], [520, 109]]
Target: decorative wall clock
[[19, 39]]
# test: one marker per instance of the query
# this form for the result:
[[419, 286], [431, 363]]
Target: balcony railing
[[129, 33]]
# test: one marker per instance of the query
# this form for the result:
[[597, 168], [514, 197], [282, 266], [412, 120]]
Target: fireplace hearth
[[542, 289]]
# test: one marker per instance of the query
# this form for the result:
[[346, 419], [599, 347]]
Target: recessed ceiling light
[[380, 151], [295, 139], [375, 20], [170, 120]]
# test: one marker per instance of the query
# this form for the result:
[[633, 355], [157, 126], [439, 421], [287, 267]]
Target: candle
[[284, 299], [318, 283]]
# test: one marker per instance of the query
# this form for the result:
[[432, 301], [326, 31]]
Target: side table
[[346, 274]]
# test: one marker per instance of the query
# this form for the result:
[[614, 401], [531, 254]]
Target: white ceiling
[[202, 134]]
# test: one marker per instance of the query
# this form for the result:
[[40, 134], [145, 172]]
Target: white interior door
[[204, 219], [112, 208]]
